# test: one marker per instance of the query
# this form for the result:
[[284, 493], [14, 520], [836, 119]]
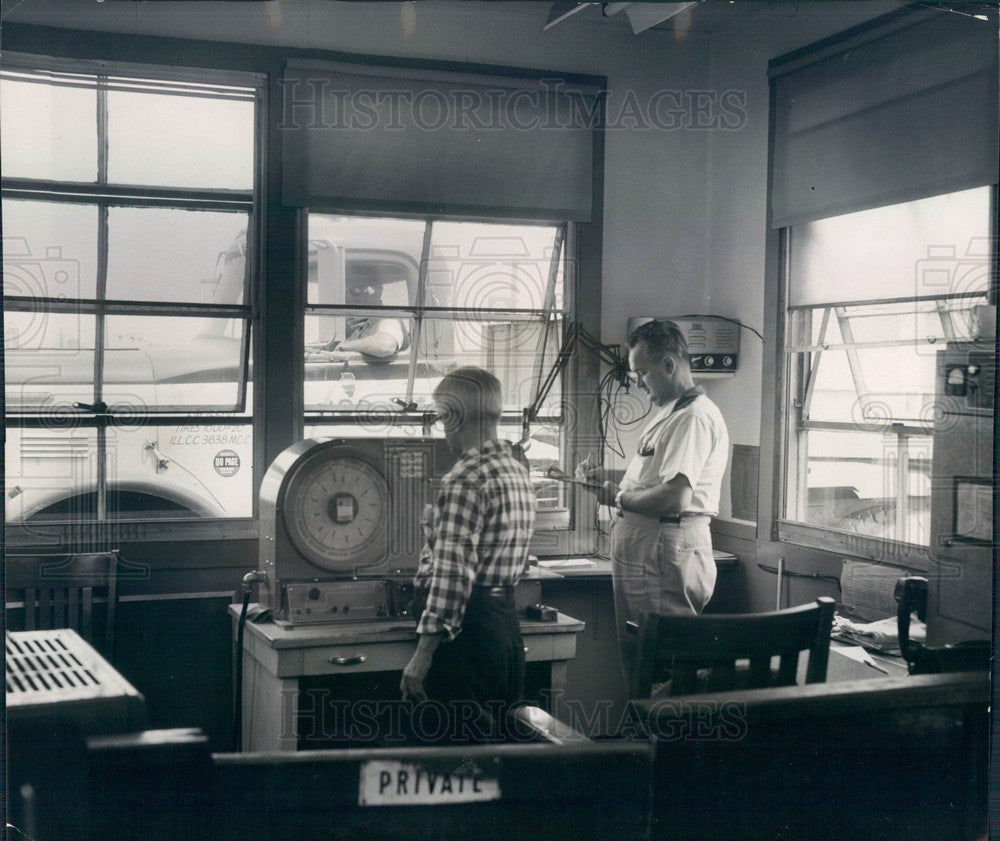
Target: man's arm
[[589, 471], [385, 340], [604, 481], [662, 500], [412, 684], [453, 562]]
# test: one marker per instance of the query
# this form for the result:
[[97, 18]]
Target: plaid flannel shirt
[[482, 523]]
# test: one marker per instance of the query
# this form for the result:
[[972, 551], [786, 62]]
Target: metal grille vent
[[42, 667]]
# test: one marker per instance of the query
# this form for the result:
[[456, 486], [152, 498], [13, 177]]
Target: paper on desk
[[856, 653], [566, 563], [882, 635]]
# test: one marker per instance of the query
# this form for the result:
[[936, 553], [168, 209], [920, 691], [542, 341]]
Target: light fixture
[[562, 10], [643, 16]]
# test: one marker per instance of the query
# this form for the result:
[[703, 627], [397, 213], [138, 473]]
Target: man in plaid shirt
[[470, 656]]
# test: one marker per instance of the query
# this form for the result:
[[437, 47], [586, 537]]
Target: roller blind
[[375, 137], [905, 112]]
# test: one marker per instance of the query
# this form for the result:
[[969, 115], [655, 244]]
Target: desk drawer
[[393, 656], [347, 659]]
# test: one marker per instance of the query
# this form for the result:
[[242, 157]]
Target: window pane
[[543, 451], [167, 254], [934, 246], [179, 141], [49, 249], [202, 470], [851, 481], [171, 363], [363, 261], [49, 360], [488, 266], [350, 380], [894, 383], [48, 131], [49, 473], [511, 350]]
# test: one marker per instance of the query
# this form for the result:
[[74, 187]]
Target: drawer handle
[[349, 661]]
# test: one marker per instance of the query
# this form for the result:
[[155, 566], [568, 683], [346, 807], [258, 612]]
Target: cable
[[735, 321], [247, 586]]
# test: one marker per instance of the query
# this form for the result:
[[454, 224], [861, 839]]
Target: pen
[[869, 662]]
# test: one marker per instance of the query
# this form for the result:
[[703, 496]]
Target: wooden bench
[[895, 758]]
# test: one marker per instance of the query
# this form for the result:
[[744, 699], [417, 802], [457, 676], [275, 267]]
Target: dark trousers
[[474, 678]]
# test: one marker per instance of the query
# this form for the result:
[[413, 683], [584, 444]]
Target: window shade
[[371, 138], [895, 117], [928, 248]]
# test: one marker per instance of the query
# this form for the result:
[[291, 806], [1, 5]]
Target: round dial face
[[336, 510]]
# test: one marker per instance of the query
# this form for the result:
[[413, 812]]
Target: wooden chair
[[60, 591], [702, 653]]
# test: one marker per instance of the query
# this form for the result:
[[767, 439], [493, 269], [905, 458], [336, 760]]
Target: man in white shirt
[[661, 546]]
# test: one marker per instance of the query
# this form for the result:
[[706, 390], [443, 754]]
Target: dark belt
[[674, 519], [501, 592]]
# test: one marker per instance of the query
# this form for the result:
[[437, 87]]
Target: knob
[[314, 594]]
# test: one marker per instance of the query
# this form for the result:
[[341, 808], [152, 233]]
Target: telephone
[[968, 656]]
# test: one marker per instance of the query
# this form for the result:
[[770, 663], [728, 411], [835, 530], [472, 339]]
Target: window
[[394, 304], [128, 221], [871, 298]]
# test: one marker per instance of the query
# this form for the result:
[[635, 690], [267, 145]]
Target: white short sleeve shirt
[[693, 441]]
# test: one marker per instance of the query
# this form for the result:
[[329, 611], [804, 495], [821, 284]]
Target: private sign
[[393, 783]]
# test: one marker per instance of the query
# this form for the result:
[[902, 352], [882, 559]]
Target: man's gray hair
[[660, 339], [472, 392]]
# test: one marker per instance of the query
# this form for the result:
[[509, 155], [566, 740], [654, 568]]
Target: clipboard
[[560, 476]]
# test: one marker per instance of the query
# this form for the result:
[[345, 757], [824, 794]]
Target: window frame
[[106, 195], [280, 238], [557, 519], [792, 394]]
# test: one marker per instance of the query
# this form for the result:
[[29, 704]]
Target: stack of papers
[[881, 636]]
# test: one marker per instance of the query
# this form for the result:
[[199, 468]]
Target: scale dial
[[336, 509]]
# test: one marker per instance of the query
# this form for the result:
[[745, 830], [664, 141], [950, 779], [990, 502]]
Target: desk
[[276, 659], [842, 667]]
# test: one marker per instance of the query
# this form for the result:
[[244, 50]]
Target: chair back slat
[[759, 673], [87, 619], [73, 608], [722, 676], [701, 652], [683, 677], [30, 608], [44, 608], [788, 667], [59, 617], [109, 627]]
